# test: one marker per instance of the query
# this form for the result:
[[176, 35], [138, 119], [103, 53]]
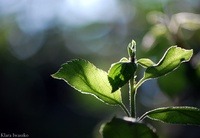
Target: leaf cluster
[[105, 86]]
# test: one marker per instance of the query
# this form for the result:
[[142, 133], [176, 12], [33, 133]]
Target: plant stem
[[125, 110], [132, 94], [140, 83], [143, 117]]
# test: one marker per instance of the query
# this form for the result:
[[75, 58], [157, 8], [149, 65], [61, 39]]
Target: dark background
[[37, 36]]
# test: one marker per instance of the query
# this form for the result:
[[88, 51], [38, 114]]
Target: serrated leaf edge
[[74, 60], [161, 108]]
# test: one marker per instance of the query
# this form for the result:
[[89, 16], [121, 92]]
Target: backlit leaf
[[172, 58], [87, 79], [176, 115], [145, 62]]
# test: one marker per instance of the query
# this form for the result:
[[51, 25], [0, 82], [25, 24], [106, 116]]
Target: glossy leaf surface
[[119, 128], [120, 73], [87, 79], [145, 62], [176, 115], [173, 57]]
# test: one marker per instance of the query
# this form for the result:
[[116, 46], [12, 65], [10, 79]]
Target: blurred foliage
[[37, 36]]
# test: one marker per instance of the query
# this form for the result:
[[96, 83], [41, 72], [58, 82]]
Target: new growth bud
[[132, 50]]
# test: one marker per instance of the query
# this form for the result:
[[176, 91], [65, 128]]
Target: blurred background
[[37, 36]]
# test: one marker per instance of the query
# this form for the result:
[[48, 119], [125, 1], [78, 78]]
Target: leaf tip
[[54, 75]]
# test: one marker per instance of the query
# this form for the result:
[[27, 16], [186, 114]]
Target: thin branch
[[125, 109]]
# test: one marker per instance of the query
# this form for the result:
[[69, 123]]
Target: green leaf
[[145, 62], [87, 79], [120, 128], [176, 115], [172, 58], [120, 73], [180, 82], [124, 59]]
